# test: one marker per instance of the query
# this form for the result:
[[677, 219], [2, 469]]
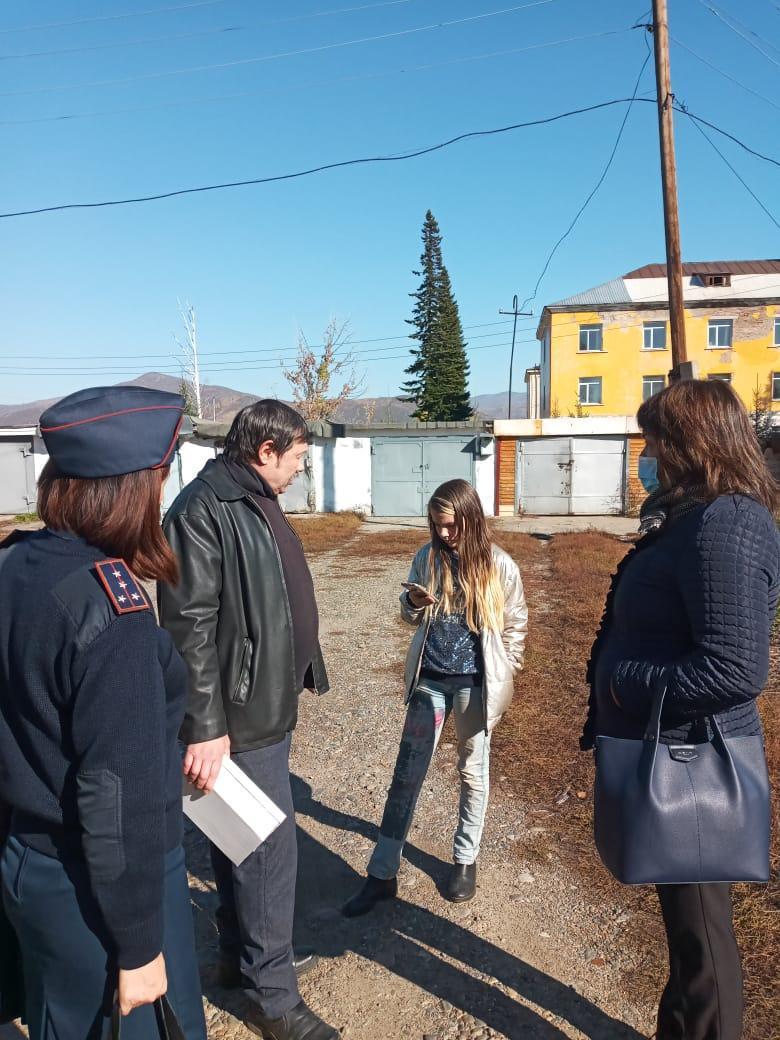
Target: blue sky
[[91, 296]]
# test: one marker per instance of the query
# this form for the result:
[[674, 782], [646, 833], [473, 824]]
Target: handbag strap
[[168, 1027], [653, 727]]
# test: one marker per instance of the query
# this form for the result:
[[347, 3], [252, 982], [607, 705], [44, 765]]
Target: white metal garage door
[[405, 471], [575, 476], [17, 477]]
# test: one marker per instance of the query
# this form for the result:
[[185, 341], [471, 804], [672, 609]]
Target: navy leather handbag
[[682, 813]]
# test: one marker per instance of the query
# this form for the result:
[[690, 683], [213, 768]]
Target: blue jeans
[[68, 975], [429, 707]]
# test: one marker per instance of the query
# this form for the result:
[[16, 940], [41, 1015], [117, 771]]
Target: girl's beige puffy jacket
[[502, 653]]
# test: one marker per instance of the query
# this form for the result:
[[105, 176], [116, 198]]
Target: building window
[[717, 279], [654, 335], [590, 390], [652, 385], [776, 386], [720, 333], [724, 377], [777, 332], [591, 338]]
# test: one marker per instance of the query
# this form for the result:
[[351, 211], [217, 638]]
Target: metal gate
[[17, 476], [299, 496], [574, 476], [405, 471]]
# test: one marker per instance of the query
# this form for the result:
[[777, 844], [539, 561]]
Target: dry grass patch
[[325, 531], [537, 747], [402, 543]]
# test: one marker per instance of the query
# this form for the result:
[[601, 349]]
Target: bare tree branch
[[314, 373]]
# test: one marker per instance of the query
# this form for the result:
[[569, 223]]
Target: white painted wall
[[485, 478], [743, 286], [342, 474], [565, 427]]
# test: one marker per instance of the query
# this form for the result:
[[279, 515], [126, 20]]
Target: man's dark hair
[[263, 421]]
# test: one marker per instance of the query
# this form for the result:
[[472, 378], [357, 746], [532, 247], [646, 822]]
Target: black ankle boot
[[462, 884], [374, 890], [299, 1024]]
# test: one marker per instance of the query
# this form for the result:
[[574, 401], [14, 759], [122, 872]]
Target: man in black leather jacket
[[244, 618]]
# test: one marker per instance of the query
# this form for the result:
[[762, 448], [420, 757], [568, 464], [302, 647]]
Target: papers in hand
[[235, 815]]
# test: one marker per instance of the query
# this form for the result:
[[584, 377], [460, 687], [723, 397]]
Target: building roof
[[709, 267], [608, 292]]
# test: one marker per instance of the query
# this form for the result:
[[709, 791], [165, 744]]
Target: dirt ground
[[530, 957]]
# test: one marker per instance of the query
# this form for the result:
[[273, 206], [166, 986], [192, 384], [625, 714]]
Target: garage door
[[17, 477], [405, 471], [575, 476]]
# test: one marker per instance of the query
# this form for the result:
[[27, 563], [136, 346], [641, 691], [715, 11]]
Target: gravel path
[[527, 958]]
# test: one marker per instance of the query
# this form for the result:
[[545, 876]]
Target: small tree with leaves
[[315, 371], [438, 374], [185, 389]]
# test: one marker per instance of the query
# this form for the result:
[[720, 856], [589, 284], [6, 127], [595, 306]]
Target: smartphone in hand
[[420, 590]]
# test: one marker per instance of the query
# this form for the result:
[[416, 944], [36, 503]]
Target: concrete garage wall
[[342, 474]]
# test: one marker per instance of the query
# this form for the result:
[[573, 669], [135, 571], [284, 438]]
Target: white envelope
[[235, 815]]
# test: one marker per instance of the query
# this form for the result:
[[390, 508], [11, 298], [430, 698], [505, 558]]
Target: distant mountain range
[[220, 403]]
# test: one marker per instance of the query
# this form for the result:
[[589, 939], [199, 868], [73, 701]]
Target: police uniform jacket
[[92, 696]]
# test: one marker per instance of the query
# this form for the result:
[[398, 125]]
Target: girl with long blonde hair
[[465, 598]]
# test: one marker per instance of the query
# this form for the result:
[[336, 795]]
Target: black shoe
[[462, 884], [304, 960], [374, 890], [229, 967], [298, 1024]]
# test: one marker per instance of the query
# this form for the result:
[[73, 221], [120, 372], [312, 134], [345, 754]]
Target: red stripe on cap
[[171, 446], [110, 415]]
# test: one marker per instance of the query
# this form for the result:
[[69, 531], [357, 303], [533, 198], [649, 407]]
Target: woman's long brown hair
[[481, 595], [706, 440], [118, 515]]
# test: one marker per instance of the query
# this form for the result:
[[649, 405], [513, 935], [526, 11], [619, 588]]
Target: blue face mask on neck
[[648, 474]]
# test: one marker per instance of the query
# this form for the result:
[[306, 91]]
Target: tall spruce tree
[[438, 384]]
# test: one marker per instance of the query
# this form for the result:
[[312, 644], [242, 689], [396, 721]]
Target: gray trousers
[[257, 899]]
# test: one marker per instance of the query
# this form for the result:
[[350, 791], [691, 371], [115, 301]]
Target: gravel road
[[527, 958]]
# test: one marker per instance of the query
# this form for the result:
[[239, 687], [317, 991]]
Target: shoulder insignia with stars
[[123, 589]]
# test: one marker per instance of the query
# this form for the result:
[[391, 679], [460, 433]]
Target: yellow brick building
[[605, 350]]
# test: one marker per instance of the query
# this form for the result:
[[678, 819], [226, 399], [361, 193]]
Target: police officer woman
[[92, 696]]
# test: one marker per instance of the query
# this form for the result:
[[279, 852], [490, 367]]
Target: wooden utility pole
[[517, 314], [669, 182]]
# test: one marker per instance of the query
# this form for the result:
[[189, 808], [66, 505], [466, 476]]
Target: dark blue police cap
[[109, 430]]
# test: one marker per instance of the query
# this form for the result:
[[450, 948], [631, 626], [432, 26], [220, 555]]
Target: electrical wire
[[123, 43], [594, 190], [727, 21], [371, 354], [113, 17], [726, 75], [257, 350], [240, 62], [736, 173], [204, 32], [473, 134], [725, 133], [317, 84]]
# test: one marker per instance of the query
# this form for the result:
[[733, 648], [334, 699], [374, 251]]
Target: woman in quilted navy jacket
[[694, 602]]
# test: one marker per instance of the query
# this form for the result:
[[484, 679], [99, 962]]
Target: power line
[[113, 17], [258, 350], [725, 133], [746, 35], [726, 75], [276, 56], [325, 166], [744, 184], [215, 367], [593, 191], [204, 32], [123, 43], [317, 84]]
